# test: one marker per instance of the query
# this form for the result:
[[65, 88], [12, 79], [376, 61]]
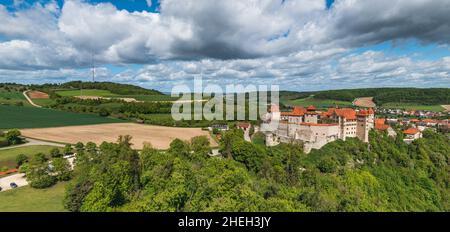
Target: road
[[29, 99], [33, 142], [19, 179]]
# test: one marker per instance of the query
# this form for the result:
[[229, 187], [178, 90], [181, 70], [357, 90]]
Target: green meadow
[[32, 117], [27, 199], [319, 103], [11, 97], [8, 156], [412, 106], [85, 92]]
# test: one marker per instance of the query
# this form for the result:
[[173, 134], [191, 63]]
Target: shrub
[[21, 159]]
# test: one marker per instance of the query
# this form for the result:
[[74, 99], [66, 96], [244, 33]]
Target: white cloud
[[296, 42]]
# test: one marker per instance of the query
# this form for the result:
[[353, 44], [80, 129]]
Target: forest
[[116, 88], [384, 175], [429, 96]]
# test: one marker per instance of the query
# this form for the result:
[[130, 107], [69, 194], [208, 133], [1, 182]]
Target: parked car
[[13, 185]]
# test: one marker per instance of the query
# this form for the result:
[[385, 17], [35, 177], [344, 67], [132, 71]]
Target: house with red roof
[[412, 134], [380, 125]]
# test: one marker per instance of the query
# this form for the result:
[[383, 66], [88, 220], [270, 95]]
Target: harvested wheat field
[[37, 95], [446, 107], [364, 102], [158, 136]]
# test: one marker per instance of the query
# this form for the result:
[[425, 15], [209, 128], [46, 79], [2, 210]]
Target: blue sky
[[299, 44]]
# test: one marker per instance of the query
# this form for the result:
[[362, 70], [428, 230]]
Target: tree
[[125, 140], [179, 147], [62, 169], [38, 158], [229, 137], [79, 146], [91, 147], [21, 159], [200, 145], [248, 154], [38, 175], [67, 149], [13, 136]]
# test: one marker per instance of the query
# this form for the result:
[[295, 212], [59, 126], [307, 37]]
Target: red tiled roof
[[9, 171], [347, 113], [414, 120], [311, 108], [243, 124], [297, 111], [325, 114], [380, 121], [411, 131], [381, 127], [363, 113]]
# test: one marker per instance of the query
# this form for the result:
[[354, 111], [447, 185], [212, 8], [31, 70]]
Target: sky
[[300, 45]]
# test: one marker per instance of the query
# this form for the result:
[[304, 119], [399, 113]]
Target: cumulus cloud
[[331, 70], [291, 40]]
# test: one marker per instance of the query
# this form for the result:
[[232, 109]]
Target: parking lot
[[19, 179]]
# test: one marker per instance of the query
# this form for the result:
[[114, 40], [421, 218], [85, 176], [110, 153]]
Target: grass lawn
[[27, 199], [12, 97], [43, 102], [412, 106], [32, 117], [319, 103], [151, 97], [8, 156], [85, 92]]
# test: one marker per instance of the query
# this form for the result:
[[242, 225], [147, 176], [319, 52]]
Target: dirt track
[[159, 136], [37, 95]]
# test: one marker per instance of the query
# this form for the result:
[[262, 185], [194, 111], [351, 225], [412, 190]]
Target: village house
[[412, 134], [380, 125]]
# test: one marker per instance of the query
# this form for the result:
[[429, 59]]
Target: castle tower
[[365, 119], [311, 115]]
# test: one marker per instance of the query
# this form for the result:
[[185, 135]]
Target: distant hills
[[116, 88], [430, 96]]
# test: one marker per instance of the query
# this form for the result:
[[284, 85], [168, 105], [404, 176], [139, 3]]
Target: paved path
[[19, 179], [29, 99], [33, 142]]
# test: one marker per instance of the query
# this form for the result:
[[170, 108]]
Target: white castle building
[[315, 129]]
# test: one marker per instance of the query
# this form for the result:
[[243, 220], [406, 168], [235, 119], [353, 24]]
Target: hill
[[114, 88], [432, 96], [406, 98]]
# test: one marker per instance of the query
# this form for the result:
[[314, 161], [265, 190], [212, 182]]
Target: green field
[[43, 102], [150, 97], [85, 92], [27, 199], [319, 103], [31, 117], [412, 106], [8, 156]]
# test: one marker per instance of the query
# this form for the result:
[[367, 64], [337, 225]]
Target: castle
[[316, 128]]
